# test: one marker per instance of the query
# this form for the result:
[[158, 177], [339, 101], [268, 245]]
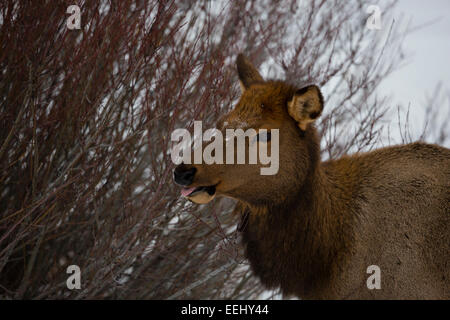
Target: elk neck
[[296, 245]]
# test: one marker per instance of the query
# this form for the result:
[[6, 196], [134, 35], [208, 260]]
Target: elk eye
[[264, 136]]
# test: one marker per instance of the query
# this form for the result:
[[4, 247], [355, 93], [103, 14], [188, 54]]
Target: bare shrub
[[85, 123]]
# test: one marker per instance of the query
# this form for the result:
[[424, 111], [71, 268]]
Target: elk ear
[[306, 105], [248, 74]]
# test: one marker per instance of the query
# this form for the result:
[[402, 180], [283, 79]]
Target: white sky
[[428, 52]]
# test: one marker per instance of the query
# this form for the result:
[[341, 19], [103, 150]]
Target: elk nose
[[184, 175]]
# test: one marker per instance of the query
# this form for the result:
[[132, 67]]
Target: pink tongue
[[187, 191]]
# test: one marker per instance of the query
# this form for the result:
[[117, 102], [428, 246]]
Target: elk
[[315, 227]]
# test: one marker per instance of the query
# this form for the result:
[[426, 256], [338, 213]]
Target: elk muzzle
[[185, 175]]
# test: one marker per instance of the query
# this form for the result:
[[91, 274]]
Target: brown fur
[[315, 227]]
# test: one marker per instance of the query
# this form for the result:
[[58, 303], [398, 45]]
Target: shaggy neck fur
[[298, 244]]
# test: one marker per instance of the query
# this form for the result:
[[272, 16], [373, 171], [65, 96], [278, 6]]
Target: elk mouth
[[189, 192], [201, 195]]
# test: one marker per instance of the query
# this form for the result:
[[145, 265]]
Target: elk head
[[263, 105]]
